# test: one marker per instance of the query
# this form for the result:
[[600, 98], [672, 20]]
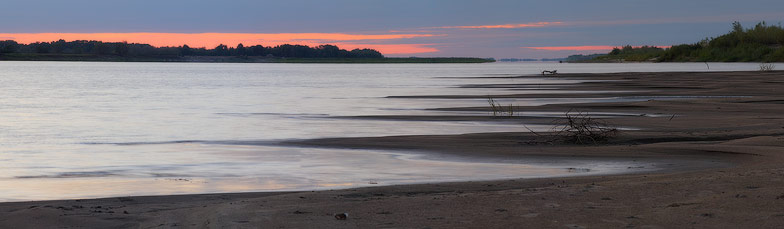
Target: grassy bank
[[761, 43]]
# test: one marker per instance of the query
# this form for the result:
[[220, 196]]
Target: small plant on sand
[[578, 128], [498, 109], [767, 67]]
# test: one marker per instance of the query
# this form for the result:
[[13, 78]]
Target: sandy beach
[[729, 123]]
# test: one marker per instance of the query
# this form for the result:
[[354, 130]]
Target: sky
[[402, 28]]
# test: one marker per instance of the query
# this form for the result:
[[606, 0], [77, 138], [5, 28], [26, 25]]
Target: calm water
[[75, 130]]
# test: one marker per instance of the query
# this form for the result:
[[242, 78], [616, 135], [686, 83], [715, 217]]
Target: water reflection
[[212, 168], [77, 130]]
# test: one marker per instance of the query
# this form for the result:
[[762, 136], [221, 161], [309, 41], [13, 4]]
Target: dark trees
[[146, 50], [8, 46]]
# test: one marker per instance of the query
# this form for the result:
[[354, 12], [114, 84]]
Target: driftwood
[[579, 128], [553, 72]]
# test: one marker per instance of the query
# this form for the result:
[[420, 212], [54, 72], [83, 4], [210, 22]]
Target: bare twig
[[767, 67], [495, 107], [499, 109], [532, 131], [579, 128], [511, 110]]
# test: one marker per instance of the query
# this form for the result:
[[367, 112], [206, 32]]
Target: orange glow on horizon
[[210, 40], [505, 26]]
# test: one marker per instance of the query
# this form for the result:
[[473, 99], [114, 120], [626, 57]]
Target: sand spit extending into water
[[721, 116]]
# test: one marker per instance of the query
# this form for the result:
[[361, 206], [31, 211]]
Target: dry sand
[[747, 131]]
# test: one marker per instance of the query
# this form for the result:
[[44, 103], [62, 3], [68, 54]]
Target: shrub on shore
[[761, 43]]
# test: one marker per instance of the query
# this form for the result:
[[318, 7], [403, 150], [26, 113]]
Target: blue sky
[[566, 23]]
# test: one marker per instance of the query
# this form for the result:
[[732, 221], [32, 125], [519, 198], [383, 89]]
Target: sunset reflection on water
[[225, 168], [86, 129]]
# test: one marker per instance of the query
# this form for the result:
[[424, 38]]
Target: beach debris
[[553, 72], [581, 128], [574, 226], [767, 67], [499, 109], [578, 170], [530, 215], [341, 216], [298, 212], [675, 205], [577, 128]]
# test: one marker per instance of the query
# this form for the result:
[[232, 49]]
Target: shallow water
[[188, 168], [65, 127]]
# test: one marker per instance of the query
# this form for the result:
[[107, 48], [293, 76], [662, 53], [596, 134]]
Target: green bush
[[761, 43]]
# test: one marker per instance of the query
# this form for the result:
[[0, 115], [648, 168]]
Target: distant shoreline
[[234, 59]]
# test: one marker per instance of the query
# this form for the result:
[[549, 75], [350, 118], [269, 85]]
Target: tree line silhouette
[[126, 49], [761, 43]]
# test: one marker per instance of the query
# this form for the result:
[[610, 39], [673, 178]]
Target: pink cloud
[[504, 26], [574, 48], [667, 20]]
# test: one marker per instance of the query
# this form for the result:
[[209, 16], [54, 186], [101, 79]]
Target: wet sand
[[732, 117]]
